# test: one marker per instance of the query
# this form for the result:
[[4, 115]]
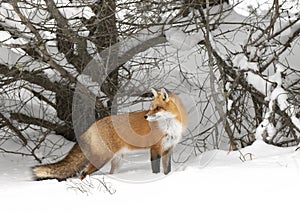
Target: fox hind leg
[[87, 171], [115, 163], [96, 165]]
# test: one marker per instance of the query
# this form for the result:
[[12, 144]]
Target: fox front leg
[[166, 160], [155, 159]]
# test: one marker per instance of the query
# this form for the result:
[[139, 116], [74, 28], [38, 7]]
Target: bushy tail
[[67, 167]]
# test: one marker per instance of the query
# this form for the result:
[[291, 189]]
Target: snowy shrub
[[236, 64]]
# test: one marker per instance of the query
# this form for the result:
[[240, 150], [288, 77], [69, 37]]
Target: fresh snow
[[75, 12], [182, 41], [216, 183], [259, 83], [280, 95], [241, 62]]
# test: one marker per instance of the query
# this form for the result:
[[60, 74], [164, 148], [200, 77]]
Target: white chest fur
[[173, 130]]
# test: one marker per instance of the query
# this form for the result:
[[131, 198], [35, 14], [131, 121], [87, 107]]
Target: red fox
[[158, 129]]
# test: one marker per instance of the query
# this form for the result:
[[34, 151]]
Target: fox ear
[[155, 94], [164, 93]]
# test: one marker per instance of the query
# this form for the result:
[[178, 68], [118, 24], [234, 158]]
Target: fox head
[[163, 107]]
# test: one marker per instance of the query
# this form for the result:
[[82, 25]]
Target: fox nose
[[146, 116]]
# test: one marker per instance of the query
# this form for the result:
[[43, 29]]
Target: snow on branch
[[266, 129], [251, 63]]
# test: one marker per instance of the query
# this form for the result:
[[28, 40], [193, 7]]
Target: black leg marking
[[168, 169], [167, 157], [155, 164]]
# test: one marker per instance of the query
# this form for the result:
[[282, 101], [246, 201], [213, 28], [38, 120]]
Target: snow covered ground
[[216, 183]]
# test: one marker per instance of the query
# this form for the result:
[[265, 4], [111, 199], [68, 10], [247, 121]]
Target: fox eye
[[158, 108]]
